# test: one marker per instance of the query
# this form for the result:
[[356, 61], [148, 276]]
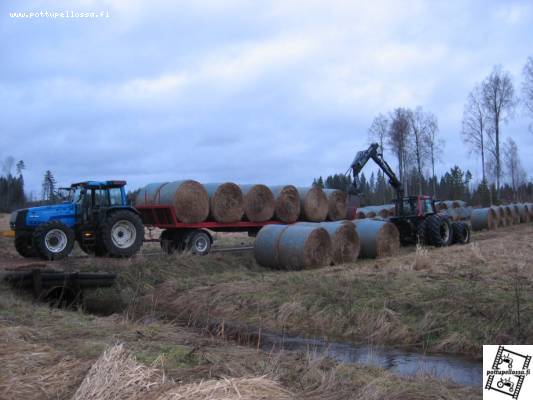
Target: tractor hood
[[34, 216]]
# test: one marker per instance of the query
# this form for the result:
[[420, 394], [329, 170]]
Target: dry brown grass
[[117, 375], [31, 370], [443, 299]]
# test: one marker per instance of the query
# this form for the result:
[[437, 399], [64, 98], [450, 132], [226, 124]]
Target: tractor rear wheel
[[53, 240], [439, 231], [122, 234], [24, 246]]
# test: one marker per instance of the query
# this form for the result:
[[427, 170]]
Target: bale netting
[[226, 202], [378, 238], [313, 204], [292, 247], [287, 203], [337, 204], [259, 203], [189, 199], [266, 245], [345, 244], [484, 218]]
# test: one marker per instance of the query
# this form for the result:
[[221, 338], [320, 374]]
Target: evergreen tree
[[48, 186]]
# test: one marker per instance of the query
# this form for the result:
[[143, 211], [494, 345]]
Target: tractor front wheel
[[439, 231], [122, 234], [53, 240], [24, 246]]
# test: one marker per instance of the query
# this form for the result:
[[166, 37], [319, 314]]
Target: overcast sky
[[245, 91]]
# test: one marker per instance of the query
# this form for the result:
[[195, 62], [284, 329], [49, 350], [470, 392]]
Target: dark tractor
[[416, 217], [95, 214]]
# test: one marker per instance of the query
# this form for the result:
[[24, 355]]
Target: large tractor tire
[[53, 240], [439, 231], [421, 236], [461, 232], [122, 234], [24, 246]]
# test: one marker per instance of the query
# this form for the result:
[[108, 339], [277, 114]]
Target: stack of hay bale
[[500, 216], [228, 202], [309, 245]]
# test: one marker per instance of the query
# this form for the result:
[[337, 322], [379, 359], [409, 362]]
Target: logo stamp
[[508, 375]]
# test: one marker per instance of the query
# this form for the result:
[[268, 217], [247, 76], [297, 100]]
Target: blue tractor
[[95, 214]]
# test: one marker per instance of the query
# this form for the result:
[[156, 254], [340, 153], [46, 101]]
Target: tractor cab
[[93, 198], [416, 206]]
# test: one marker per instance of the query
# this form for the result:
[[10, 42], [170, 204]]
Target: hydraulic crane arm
[[359, 163]]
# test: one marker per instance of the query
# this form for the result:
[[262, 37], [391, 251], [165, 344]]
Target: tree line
[[412, 137], [12, 194]]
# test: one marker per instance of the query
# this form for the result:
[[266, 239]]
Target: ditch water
[[447, 367]]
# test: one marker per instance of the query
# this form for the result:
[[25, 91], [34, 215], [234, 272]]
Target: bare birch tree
[[398, 139], [435, 146], [513, 165], [498, 99], [475, 125], [379, 129], [527, 88]]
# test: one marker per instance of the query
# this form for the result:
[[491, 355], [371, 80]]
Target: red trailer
[[179, 236]]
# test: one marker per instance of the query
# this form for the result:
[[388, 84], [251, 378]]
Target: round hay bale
[[337, 204], [530, 210], [500, 215], [189, 199], [378, 238], [440, 205], [483, 218], [360, 214], [313, 204], [509, 215], [226, 202], [287, 203], [303, 247], [516, 213], [259, 203], [345, 241], [266, 245], [523, 210]]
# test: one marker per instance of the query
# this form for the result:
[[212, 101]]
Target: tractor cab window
[[101, 197], [427, 207], [408, 208], [115, 196], [77, 195]]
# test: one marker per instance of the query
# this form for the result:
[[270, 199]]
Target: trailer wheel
[[24, 247], [199, 242], [122, 234], [439, 231], [53, 240]]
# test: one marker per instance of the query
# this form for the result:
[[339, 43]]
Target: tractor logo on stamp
[[508, 375]]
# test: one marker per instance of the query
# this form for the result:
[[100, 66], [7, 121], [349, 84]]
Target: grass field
[[447, 300]]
